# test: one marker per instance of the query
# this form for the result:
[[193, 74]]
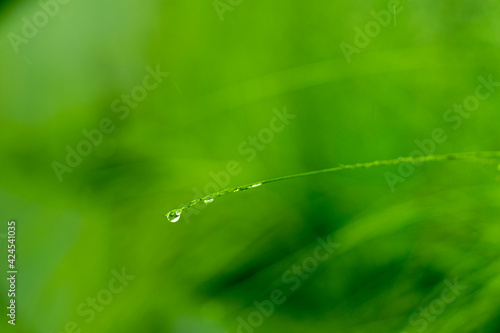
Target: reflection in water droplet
[[208, 200], [256, 185], [174, 215]]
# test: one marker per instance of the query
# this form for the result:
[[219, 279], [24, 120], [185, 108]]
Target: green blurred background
[[397, 248]]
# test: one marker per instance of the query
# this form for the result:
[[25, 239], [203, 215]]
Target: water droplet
[[249, 187], [174, 215], [208, 200]]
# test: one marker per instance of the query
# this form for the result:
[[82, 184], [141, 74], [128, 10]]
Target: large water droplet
[[208, 200], [252, 186], [174, 215]]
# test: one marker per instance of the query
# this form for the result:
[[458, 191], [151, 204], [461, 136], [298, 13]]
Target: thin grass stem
[[487, 157]]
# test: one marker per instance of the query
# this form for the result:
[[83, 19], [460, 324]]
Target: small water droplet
[[208, 200], [174, 215], [256, 185]]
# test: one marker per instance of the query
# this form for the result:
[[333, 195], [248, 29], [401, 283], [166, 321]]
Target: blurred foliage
[[226, 77]]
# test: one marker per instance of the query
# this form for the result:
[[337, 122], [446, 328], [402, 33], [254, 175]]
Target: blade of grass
[[488, 157]]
